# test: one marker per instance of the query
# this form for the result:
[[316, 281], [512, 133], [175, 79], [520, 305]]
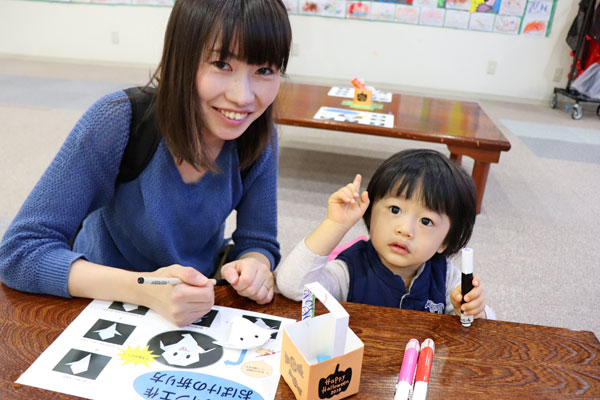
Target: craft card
[[348, 93], [382, 11], [540, 9], [407, 14], [332, 8], [426, 3], [482, 22], [358, 9], [485, 6], [122, 351], [291, 6], [457, 19], [458, 4], [168, 3], [533, 26], [432, 16], [507, 24], [355, 117], [512, 7]]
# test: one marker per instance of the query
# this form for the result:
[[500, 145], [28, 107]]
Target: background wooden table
[[489, 360], [461, 125]]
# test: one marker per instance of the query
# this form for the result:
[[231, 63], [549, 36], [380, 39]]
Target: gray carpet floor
[[535, 242]]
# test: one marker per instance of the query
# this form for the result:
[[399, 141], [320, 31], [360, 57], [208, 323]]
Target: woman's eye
[[221, 65], [265, 71], [426, 222], [395, 209]]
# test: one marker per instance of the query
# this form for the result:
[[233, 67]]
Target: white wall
[[384, 54]]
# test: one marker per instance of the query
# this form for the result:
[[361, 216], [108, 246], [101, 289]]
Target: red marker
[[423, 370]]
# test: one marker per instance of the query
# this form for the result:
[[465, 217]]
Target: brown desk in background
[[489, 360], [460, 125]]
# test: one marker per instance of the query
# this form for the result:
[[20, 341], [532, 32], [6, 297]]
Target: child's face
[[405, 233]]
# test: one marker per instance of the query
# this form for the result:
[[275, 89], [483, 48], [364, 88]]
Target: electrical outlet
[[491, 67], [114, 37], [558, 74]]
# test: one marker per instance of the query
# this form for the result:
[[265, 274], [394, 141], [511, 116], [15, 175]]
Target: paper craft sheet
[[114, 350], [357, 117]]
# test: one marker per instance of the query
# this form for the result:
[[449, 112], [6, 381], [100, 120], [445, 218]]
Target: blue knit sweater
[[153, 221]]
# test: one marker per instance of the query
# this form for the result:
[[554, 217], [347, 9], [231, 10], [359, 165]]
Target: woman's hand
[[251, 277], [181, 304], [184, 303], [475, 300]]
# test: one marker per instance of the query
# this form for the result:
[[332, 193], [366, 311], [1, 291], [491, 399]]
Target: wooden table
[[489, 360], [460, 125]]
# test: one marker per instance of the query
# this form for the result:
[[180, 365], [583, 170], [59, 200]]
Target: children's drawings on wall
[[537, 18], [324, 8], [527, 17], [513, 17], [457, 19]]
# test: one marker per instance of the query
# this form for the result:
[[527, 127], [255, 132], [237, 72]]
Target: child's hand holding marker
[[471, 304], [180, 294]]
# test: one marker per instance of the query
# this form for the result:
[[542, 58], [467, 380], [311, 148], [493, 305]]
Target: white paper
[[357, 117], [114, 352]]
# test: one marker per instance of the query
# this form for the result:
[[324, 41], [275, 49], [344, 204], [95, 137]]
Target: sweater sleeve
[[34, 254], [256, 223], [302, 266], [453, 279]]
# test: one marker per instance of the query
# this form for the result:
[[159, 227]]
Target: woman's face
[[232, 94]]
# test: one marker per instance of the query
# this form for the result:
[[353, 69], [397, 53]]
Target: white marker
[[466, 283]]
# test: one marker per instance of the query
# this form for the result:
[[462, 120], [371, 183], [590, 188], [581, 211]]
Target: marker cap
[[467, 260]]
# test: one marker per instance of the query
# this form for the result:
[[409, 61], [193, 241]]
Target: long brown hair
[[263, 32]]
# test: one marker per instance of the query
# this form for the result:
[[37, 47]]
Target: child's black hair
[[442, 185]]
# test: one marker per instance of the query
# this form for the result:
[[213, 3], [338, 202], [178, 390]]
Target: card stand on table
[[321, 358]]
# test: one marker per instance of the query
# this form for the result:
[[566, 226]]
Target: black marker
[[174, 281], [466, 283]]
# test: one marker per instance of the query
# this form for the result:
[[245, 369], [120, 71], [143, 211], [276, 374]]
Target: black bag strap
[[144, 135]]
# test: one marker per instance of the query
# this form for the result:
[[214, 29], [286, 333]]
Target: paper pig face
[[245, 335], [184, 352]]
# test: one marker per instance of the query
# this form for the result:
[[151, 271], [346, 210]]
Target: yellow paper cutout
[[137, 356]]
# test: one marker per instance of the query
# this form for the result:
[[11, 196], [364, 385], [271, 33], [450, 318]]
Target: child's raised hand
[[475, 300], [344, 207]]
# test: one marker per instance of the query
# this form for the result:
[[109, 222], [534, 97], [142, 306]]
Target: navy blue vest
[[373, 283]]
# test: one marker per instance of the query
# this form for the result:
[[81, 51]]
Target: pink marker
[[423, 370], [407, 371]]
